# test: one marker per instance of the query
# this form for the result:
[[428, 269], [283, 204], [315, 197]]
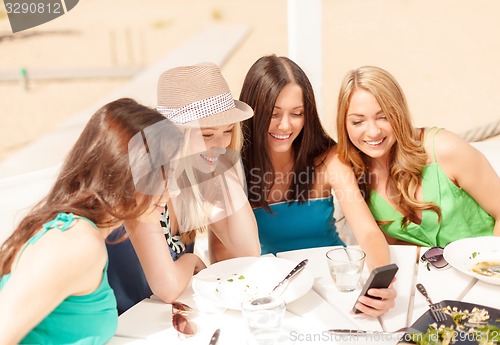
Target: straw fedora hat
[[199, 96]]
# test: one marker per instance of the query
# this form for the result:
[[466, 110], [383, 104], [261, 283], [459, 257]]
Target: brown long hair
[[407, 157], [96, 180], [263, 83]]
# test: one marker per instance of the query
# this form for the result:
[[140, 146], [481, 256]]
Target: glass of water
[[346, 265], [264, 317]]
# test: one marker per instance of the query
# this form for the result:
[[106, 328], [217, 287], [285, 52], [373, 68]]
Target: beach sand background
[[445, 54]]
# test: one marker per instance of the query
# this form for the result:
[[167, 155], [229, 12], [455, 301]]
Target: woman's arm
[[367, 233], [470, 170], [60, 264], [167, 278], [234, 236], [358, 215], [234, 233]]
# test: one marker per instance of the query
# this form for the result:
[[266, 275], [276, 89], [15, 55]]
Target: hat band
[[199, 109]]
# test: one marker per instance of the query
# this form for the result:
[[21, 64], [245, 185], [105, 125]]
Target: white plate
[[465, 253], [228, 283]]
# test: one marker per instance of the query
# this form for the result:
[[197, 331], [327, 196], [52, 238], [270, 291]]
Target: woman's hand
[[376, 307]]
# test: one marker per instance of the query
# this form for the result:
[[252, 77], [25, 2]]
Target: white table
[[451, 284], [322, 308]]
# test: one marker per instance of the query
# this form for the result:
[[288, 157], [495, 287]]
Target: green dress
[[86, 319], [461, 215]]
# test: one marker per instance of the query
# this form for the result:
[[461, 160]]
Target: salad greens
[[474, 254], [467, 326]]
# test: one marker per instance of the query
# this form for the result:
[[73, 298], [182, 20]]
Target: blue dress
[[297, 225], [125, 273]]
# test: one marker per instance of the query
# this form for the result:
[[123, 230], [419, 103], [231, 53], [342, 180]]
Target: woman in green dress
[[424, 186]]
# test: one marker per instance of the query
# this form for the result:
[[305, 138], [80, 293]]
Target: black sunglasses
[[180, 311], [434, 256]]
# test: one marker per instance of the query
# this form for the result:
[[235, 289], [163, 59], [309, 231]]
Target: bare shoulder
[[68, 262], [80, 245], [457, 158], [447, 146], [332, 161], [335, 170]]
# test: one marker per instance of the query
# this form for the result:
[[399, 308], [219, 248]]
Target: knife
[[215, 337], [278, 289], [358, 332], [355, 332]]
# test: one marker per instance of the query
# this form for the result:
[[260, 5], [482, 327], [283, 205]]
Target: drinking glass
[[264, 317], [346, 265]]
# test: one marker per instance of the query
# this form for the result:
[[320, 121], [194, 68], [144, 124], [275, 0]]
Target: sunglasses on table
[[434, 256], [180, 321]]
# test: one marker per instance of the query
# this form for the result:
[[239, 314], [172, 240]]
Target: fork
[[436, 308]]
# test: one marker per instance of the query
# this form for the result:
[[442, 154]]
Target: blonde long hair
[[191, 207], [407, 157]]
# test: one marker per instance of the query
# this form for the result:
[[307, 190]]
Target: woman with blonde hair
[[206, 191], [53, 282], [424, 186]]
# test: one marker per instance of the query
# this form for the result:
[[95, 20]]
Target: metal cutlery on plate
[[282, 285], [361, 333], [436, 308], [280, 288], [215, 337]]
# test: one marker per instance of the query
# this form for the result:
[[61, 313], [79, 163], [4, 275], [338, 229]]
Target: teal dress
[[86, 319], [461, 215], [294, 225]]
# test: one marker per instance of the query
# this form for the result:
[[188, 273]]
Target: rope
[[482, 133]]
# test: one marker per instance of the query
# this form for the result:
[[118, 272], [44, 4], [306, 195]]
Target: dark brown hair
[[96, 179], [263, 83]]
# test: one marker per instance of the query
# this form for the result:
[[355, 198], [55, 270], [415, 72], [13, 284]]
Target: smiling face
[[287, 119], [207, 144], [368, 127]]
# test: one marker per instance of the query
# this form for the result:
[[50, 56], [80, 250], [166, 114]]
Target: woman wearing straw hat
[[206, 188], [292, 167], [53, 283]]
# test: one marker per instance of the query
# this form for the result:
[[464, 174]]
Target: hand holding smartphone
[[380, 277]]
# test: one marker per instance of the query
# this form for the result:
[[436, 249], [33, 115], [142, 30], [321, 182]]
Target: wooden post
[[112, 48], [130, 47], [304, 41]]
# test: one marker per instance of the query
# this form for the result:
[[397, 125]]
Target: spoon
[[282, 285]]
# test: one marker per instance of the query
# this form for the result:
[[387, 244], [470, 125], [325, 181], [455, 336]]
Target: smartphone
[[380, 277]]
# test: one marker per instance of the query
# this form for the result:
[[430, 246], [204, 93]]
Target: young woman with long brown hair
[[53, 281], [292, 167]]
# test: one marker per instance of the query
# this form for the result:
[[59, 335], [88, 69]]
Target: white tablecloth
[[322, 308]]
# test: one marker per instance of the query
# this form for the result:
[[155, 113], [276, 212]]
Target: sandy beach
[[444, 54]]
